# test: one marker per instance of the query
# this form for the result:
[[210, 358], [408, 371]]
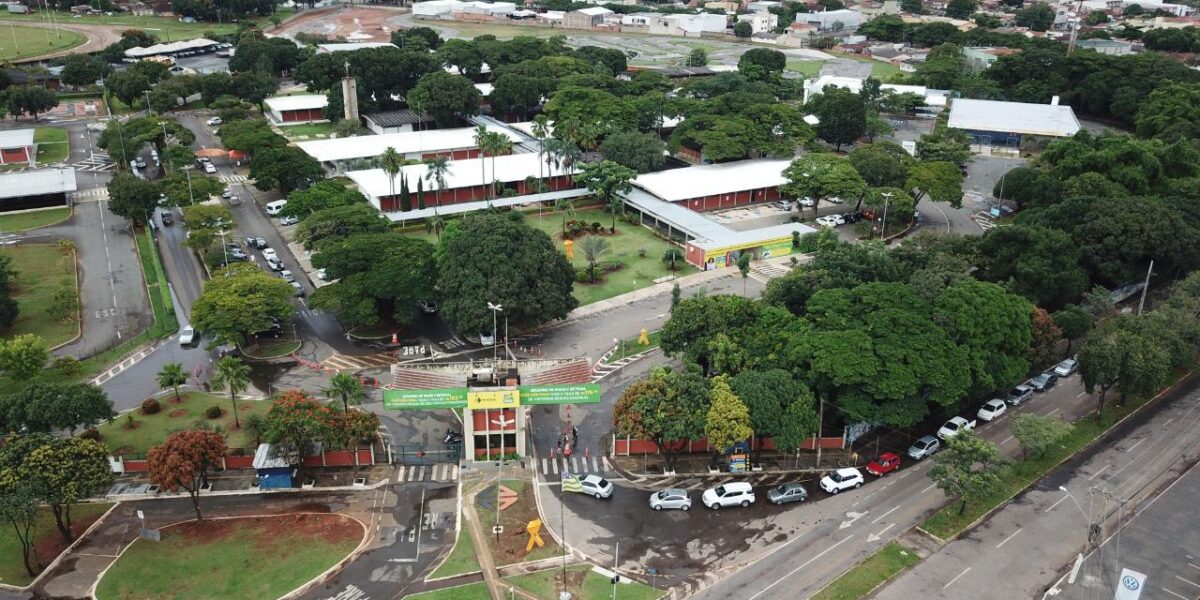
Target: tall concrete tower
[[349, 95]]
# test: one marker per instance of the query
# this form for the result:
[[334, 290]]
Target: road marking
[[880, 517], [1174, 594], [1006, 440], [956, 578], [575, 467], [797, 569], [1189, 582], [1052, 412], [1139, 443], [931, 486], [1060, 501], [1014, 534], [1167, 422], [545, 467], [875, 537], [1197, 567], [1081, 394], [1097, 473], [400, 475], [554, 465]]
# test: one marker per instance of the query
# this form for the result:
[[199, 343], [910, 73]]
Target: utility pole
[[887, 200], [1145, 288], [616, 578]]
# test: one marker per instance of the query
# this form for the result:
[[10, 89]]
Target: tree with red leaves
[[296, 423], [183, 461]]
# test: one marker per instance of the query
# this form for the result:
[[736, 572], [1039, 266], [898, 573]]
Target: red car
[[886, 463]]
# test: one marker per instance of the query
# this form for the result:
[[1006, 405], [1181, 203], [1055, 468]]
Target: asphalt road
[[1026, 542]]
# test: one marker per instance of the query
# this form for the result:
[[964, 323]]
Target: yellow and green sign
[[483, 399], [574, 393], [424, 399], [492, 399]]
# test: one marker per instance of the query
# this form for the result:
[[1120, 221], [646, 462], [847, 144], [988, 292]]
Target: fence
[[628, 446], [359, 457]]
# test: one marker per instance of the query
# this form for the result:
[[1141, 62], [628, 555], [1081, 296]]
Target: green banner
[[580, 393], [424, 399]]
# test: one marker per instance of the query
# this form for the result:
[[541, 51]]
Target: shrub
[[67, 365], [641, 253], [91, 433], [150, 406], [596, 226], [213, 412]]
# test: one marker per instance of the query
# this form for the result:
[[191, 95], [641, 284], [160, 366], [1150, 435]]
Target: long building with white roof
[[413, 145], [722, 185], [991, 122], [466, 181]]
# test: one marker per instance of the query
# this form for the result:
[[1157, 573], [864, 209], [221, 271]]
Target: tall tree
[[1074, 322], [339, 223], [446, 97], [241, 301], [19, 508], [842, 114], [23, 356], [378, 277], [322, 195], [941, 181], [667, 407], [288, 168], [171, 375], [132, 197], [234, 375], [47, 407], [728, 420], [296, 423], [435, 173], [61, 471], [821, 176], [347, 388], [184, 460], [391, 161], [1038, 434], [779, 406], [642, 152], [606, 179], [594, 248], [968, 468]]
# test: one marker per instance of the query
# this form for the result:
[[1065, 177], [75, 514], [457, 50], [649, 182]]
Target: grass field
[[166, 29], [52, 145], [41, 270], [471, 591], [23, 42], [151, 430], [272, 349], [307, 131], [881, 566], [29, 220], [809, 68], [462, 558], [48, 544], [584, 583], [231, 558], [883, 71]]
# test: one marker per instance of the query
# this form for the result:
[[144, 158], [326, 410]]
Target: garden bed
[[510, 548], [151, 430]]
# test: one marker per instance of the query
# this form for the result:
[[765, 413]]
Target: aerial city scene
[[588, 300]]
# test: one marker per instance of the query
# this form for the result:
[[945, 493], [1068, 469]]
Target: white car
[[209, 168], [214, 121], [842, 479], [269, 254], [807, 202], [596, 486], [486, 339], [994, 408], [831, 221], [287, 276], [954, 427], [289, 220], [1067, 367], [736, 493], [188, 337], [834, 200]]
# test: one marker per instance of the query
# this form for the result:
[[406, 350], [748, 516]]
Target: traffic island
[[584, 582], [518, 509]]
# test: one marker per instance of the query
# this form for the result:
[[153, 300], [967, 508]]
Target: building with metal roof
[[40, 188], [294, 110], [351, 46], [995, 123], [722, 185], [458, 143], [198, 45], [16, 146], [395, 121]]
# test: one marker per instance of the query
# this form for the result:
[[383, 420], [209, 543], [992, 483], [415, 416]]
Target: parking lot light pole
[[495, 308]]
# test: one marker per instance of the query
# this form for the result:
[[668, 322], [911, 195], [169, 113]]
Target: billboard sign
[[577, 393], [424, 399], [493, 399], [1129, 586]]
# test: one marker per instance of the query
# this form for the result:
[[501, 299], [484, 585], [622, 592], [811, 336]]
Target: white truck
[[954, 427]]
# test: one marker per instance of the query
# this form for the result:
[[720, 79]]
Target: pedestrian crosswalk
[[344, 362], [94, 193], [351, 592], [440, 472], [233, 178], [99, 162], [763, 272], [555, 467], [452, 343]]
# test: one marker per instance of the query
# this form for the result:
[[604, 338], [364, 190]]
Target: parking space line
[[1006, 440], [1081, 394], [880, 517], [1197, 567], [1060, 501], [1174, 594], [1189, 582], [956, 578], [1014, 534], [931, 486], [797, 569], [1099, 471], [1139, 443], [1051, 413]]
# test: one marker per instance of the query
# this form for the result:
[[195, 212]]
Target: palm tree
[[235, 375], [541, 131], [481, 140], [391, 161], [495, 143], [435, 172], [347, 387], [435, 225], [593, 248], [172, 376], [567, 206]]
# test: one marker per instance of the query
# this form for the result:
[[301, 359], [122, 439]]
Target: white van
[[730, 494], [273, 208]]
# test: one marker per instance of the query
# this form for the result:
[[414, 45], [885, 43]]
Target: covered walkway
[[466, 207]]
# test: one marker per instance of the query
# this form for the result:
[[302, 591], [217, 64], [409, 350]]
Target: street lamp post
[[163, 124], [495, 308], [887, 200]]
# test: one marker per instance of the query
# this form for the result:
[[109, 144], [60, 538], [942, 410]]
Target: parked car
[[1019, 394], [954, 427], [852, 217], [783, 205], [255, 242], [427, 306], [167, 219], [188, 337], [274, 207], [841, 479], [269, 254], [298, 289], [595, 485], [831, 221], [923, 447], [289, 220], [238, 254], [228, 192], [209, 168], [730, 494], [1044, 381], [787, 492], [991, 409], [670, 498], [214, 121], [1066, 368], [834, 200], [886, 463], [274, 264], [287, 276], [807, 202], [486, 339]]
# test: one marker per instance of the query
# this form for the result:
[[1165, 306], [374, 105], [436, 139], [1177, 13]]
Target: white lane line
[[1098, 472], [1139, 443], [1014, 534], [1081, 394], [1051, 413], [1167, 422], [794, 571], [931, 486], [1197, 567], [400, 475], [1060, 501], [880, 517], [1189, 582], [956, 578], [1006, 440], [1174, 594]]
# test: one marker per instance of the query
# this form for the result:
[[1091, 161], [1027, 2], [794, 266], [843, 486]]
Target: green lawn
[[272, 349], [25, 42], [471, 591], [883, 71], [263, 557], [12, 569], [53, 146], [462, 558], [166, 29], [151, 430], [29, 220], [307, 130], [947, 522], [630, 346], [544, 584], [41, 270], [856, 583], [809, 68]]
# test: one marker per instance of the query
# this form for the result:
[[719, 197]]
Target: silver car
[[595, 485], [788, 492], [923, 447], [670, 498]]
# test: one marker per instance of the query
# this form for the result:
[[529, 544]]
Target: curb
[[602, 364], [312, 490], [69, 549]]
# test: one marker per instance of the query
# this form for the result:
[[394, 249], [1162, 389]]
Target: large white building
[[812, 87], [850, 19], [995, 123], [456, 144]]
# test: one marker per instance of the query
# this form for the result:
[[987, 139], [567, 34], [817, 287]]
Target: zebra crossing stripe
[[400, 475], [545, 468], [574, 466], [607, 465], [421, 477], [554, 464], [453, 472]]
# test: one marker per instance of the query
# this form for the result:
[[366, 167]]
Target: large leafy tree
[[821, 176], [941, 181], [183, 460], [1027, 186], [843, 115], [882, 164], [132, 197], [250, 136], [642, 152], [780, 407], [533, 281], [606, 179], [19, 507], [991, 327], [47, 407], [1074, 322], [23, 356], [327, 225], [1039, 263], [240, 301], [446, 97], [969, 468], [728, 421], [1172, 110], [668, 408], [296, 423], [378, 277], [1038, 434], [321, 196], [287, 168], [696, 322], [60, 471]]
